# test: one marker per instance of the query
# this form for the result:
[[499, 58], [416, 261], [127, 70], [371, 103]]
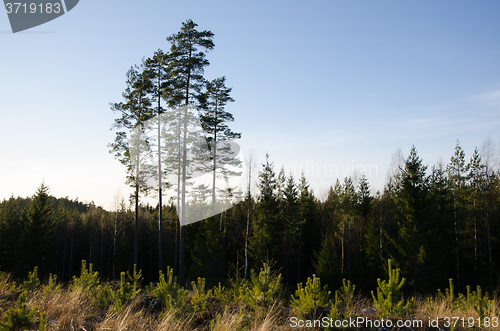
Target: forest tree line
[[434, 223]]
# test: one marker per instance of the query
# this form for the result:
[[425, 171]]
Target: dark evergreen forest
[[434, 223]]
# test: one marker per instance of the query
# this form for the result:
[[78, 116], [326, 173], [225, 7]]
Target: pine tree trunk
[[136, 224], [183, 199], [249, 200], [177, 224], [456, 237], [246, 239], [343, 250], [160, 217], [214, 143], [102, 245], [298, 259], [488, 239], [160, 193], [381, 246], [184, 175], [91, 244], [176, 248], [64, 258], [71, 256], [475, 235], [114, 245]]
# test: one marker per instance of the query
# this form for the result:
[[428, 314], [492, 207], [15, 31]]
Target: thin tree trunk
[[64, 259], [160, 217], [456, 238], [214, 143], [114, 245], [183, 199], [71, 256], [475, 235], [102, 245], [136, 225], [246, 238], [490, 261], [91, 244], [381, 246], [298, 259], [184, 175], [176, 248], [107, 264], [177, 224], [136, 218], [343, 249]]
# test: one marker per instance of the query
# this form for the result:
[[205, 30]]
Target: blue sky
[[325, 87]]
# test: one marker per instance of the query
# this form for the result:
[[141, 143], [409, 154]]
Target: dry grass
[[440, 309], [75, 310], [66, 310], [169, 322], [228, 321], [4, 286], [127, 319]]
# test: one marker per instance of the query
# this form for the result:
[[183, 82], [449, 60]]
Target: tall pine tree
[[214, 122], [128, 146], [188, 50]]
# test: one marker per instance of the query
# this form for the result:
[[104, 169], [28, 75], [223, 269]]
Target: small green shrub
[[52, 285], [88, 279], [128, 289], [472, 299], [104, 296], [200, 298], [226, 296], [475, 299], [449, 295], [311, 297], [389, 300], [235, 291], [169, 292], [264, 288], [43, 322], [33, 281], [343, 307], [19, 317]]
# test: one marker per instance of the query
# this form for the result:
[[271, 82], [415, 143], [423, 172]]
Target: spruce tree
[[348, 203], [441, 229], [263, 238], [476, 205], [457, 170], [10, 229], [35, 246], [411, 199], [291, 226], [307, 228]]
